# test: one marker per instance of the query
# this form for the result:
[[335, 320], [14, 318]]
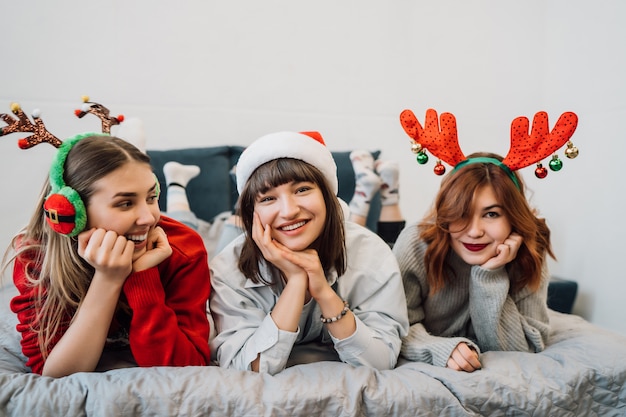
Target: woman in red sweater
[[102, 274]]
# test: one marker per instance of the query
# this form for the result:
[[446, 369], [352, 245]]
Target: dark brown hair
[[332, 252]]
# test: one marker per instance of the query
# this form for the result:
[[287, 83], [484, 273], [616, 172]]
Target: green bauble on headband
[[439, 136]]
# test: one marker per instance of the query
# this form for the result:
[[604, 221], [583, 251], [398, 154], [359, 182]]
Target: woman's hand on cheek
[[106, 251], [505, 252], [273, 251], [261, 234], [158, 249]]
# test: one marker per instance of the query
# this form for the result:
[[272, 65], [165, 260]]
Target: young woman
[[300, 275], [131, 281], [474, 269]]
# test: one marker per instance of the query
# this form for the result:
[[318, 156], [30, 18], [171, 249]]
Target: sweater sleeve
[[169, 326], [419, 345], [508, 322]]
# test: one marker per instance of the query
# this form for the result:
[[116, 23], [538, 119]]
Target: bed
[[582, 372]]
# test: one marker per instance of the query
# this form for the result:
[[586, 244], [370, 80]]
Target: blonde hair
[[51, 261]]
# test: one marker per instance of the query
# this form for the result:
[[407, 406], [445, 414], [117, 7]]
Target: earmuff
[[64, 209], [157, 187]]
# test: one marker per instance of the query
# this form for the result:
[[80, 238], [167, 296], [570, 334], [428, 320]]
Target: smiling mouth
[[137, 238], [293, 226], [475, 247]]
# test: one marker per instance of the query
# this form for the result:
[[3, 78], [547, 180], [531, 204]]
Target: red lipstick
[[475, 247]]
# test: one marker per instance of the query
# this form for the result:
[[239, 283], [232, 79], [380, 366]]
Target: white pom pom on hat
[[305, 146]]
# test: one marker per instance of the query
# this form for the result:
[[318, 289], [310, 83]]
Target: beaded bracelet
[[346, 308]]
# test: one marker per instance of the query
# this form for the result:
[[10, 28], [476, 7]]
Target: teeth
[[293, 226], [137, 238]]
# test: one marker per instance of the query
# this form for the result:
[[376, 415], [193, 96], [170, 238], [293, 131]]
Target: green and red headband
[[439, 137]]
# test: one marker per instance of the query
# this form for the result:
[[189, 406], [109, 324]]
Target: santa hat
[[305, 146]]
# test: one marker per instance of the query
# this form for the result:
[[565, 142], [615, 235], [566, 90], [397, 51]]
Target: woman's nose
[[475, 228], [145, 214], [288, 207]]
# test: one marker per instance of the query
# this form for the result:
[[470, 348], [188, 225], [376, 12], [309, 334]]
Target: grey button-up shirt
[[371, 284]]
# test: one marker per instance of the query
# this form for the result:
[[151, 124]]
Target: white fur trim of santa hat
[[287, 145]]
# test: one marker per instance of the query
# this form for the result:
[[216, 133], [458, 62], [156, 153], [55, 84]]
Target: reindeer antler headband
[[64, 209], [101, 112], [440, 138], [39, 132]]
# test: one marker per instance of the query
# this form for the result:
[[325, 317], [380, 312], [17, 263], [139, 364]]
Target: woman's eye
[[304, 187], [125, 204], [264, 199], [153, 199], [492, 214]]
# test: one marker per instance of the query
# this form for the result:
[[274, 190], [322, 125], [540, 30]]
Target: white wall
[[206, 73]]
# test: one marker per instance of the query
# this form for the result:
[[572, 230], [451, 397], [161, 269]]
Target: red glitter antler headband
[[439, 136]]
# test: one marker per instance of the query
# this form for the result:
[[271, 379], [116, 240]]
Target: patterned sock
[[390, 175], [177, 176], [367, 182]]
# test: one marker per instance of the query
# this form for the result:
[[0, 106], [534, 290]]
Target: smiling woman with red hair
[[474, 269]]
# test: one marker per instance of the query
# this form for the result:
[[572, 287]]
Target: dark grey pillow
[[213, 191]]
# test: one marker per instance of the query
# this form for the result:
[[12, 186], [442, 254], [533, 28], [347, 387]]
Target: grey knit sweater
[[475, 307]]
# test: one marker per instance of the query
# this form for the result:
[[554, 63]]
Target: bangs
[[456, 203], [282, 171]]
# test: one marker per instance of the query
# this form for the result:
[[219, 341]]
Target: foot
[[179, 174]]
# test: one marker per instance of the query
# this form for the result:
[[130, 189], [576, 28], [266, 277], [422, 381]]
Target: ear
[[132, 131]]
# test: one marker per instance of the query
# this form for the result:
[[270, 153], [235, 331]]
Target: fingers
[[514, 241], [261, 234], [105, 249], [508, 249], [157, 250], [158, 240], [464, 358], [288, 261], [83, 240], [505, 252]]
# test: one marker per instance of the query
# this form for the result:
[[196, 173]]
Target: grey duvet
[[581, 373]]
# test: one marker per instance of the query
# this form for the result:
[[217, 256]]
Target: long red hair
[[454, 202]]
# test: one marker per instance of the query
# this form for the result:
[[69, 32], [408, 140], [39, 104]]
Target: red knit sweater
[[168, 327]]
